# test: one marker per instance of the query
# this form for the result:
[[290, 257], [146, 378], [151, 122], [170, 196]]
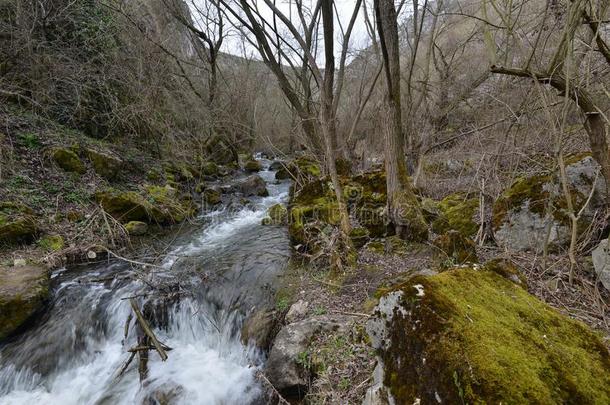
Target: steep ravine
[[223, 268]]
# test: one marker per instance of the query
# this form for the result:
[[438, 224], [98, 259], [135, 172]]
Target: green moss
[[136, 228], [524, 189], [456, 213], [17, 223], [212, 196], [302, 167], [153, 174], [52, 243], [359, 236], [209, 168], [68, 160], [486, 340], [376, 246], [276, 215]]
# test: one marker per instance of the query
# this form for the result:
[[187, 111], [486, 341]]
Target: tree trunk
[[403, 208]]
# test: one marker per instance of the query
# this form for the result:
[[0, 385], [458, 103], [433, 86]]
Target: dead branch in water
[[146, 328]]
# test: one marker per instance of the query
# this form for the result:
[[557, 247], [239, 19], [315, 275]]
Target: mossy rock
[[23, 292], [468, 336], [277, 214], [303, 167], [508, 270], [458, 248], [17, 223], [394, 245], [153, 174], [68, 160], [52, 243], [136, 228], [253, 166], [376, 246], [211, 196], [209, 168], [343, 166], [359, 236], [104, 164], [457, 212]]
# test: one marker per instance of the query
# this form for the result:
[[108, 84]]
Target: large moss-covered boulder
[[18, 224], [68, 160], [253, 185], [220, 150], [456, 212], [23, 292], [154, 204], [473, 336], [533, 210], [105, 164], [303, 168]]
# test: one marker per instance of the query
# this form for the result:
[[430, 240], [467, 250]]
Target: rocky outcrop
[[284, 369], [601, 262], [18, 224], [533, 210], [23, 292], [68, 160], [474, 336], [105, 164]]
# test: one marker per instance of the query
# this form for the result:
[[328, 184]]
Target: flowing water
[[227, 266]]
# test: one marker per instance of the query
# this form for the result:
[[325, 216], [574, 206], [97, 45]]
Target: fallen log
[[146, 328]]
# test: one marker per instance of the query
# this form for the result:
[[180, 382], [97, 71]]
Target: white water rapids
[[73, 353]]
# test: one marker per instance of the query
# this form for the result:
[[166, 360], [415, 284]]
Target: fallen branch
[[158, 346], [261, 376]]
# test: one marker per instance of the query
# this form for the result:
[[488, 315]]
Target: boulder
[[533, 209], [474, 336], [125, 205], [260, 328], [284, 369], [276, 165], [601, 262], [458, 248], [304, 168], [296, 311], [456, 212], [253, 185], [209, 168], [68, 160], [17, 223], [136, 228], [104, 164], [211, 196], [52, 243], [276, 215], [359, 236], [252, 166], [23, 292]]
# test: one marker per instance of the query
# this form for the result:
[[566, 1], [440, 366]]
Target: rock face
[[534, 208], [68, 160], [17, 223], [601, 262], [283, 369], [252, 185], [474, 336], [104, 164], [23, 292]]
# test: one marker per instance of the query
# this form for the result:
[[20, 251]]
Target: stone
[[23, 291], [260, 328], [220, 150], [211, 196], [105, 164], [601, 262], [277, 214], [283, 368], [296, 311], [136, 228], [209, 168], [471, 335], [456, 212], [68, 160], [359, 236], [252, 166], [533, 211], [18, 224], [253, 185], [276, 165]]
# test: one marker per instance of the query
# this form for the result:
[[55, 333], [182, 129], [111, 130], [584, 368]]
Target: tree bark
[[403, 208]]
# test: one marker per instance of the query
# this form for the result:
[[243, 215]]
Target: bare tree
[[403, 207]]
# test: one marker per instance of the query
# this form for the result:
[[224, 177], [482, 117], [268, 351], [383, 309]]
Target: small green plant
[[303, 359], [282, 304], [344, 383], [76, 196], [30, 140], [319, 311]]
